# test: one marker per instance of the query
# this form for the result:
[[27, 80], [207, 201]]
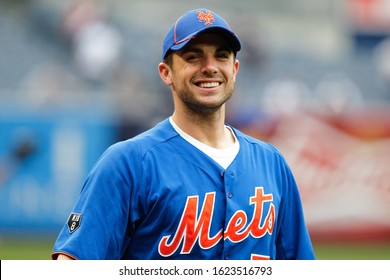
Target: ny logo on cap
[[208, 18]]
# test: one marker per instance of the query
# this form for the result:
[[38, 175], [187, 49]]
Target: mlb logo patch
[[74, 222]]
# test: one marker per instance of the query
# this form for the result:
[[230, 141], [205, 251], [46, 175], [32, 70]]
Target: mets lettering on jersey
[[192, 229], [136, 204]]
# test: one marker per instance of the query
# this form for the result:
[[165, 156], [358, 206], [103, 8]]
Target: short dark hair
[[168, 58]]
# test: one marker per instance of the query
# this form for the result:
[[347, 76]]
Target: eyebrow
[[199, 50]]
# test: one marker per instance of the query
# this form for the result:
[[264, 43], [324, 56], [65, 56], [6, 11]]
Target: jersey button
[[222, 174], [226, 257], [230, 194]]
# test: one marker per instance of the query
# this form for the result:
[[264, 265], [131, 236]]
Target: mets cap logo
[[207, 18]]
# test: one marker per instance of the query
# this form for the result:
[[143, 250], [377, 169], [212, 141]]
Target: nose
[[209, 66]]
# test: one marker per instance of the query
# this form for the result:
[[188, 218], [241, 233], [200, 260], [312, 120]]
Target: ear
[[236, 67], [165, 73]]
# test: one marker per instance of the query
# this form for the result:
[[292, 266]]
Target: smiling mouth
[[208, 84]]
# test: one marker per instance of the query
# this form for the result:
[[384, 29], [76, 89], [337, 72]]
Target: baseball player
[[192, 187]]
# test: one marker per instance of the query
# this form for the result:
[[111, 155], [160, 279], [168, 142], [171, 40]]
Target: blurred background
[[78, 75]]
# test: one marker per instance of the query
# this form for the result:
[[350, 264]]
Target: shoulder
[[252, 143], [137, 147]]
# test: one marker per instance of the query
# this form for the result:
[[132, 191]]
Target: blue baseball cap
[[194, 22]]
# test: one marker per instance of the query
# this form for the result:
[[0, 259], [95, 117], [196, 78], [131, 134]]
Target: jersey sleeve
[[102, 211], [293, 241]]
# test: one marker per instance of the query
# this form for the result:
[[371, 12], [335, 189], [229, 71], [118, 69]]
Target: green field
[[21, 249], [352, 251], [24, 249]]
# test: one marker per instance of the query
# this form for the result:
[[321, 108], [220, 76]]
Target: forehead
[[209, 39]]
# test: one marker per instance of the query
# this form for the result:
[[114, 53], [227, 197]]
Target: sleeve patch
[[74, 222]]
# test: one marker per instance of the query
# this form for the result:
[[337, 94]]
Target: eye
[[192, 57], [223, 54]]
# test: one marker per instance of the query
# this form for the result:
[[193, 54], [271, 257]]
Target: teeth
[[209, 85]]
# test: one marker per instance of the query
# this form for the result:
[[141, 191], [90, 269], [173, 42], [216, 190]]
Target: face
[[202, 74]]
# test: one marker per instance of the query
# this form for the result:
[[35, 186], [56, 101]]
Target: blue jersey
[[156, 196]]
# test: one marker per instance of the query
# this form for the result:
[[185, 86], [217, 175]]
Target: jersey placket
[[228, 178]]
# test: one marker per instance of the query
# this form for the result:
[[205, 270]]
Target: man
[[192, 187]]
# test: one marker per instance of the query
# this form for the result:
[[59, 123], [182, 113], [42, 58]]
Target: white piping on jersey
[[224, 157]]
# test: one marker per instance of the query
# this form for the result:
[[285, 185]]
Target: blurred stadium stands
[[323, 60]]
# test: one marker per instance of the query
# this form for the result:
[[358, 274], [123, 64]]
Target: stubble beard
[[195, 106]]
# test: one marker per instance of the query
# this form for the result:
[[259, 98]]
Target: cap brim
[[230, 37]]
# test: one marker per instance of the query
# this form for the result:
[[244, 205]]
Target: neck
[[207, 128]]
